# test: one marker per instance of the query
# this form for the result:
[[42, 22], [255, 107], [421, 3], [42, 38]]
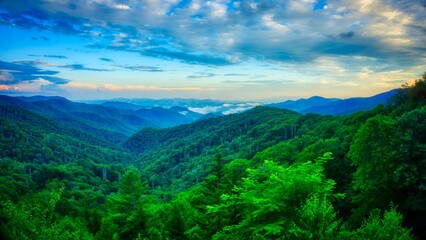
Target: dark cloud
[[420, 29], [14, 73], [141, 68], [81, 67], [349, 34], [55, 80], [38, 19], [55, 56], [338, 48], [106, 59], [31, 62], [164, 53], [187, 57], [48, 56]]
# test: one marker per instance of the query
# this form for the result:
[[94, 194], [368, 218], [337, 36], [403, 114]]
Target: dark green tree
[[125, 208]]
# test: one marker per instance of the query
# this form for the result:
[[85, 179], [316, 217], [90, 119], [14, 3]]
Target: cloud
[[209, 75], [15, 73], [188, 57], [106, 59], [55, 56], [81, 85], [41, 38], [55, 80], [349, 34], [32, 63], [220, 33], [202, 75], [81, 67], [48, 56], [4, 87], [141, 68]]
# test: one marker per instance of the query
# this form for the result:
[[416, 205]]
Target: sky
[[231, 50]]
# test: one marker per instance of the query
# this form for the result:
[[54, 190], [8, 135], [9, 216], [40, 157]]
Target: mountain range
[[116, 120], [115, 124], [335, 106], [208, 107]]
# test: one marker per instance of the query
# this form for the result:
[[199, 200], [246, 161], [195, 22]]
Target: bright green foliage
[[157, 215], [386, 228], [282, 152], [317, 220], [271, 198]]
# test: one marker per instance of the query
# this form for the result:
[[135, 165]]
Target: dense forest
[[266, 173]]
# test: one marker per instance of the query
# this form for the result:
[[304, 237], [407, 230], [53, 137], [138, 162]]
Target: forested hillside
[[113, 124], [266, 173], [180, 156]]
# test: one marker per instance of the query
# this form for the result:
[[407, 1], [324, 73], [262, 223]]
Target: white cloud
[[217, 10], [122, 7]]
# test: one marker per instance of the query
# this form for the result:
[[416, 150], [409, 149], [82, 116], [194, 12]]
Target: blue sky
[[235, 50]]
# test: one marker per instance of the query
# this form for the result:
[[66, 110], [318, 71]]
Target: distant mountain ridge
[[111, 123], [117, 120], [335, 106], [303, 104]]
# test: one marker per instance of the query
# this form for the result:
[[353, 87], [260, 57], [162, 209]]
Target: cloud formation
[[106, 59], [202, 75], [15, 73], [31, 62], [221, 32], [49, 56], [81, 67], [141, 68]]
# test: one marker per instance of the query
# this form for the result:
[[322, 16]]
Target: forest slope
[[183, 153], [114, 125]]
